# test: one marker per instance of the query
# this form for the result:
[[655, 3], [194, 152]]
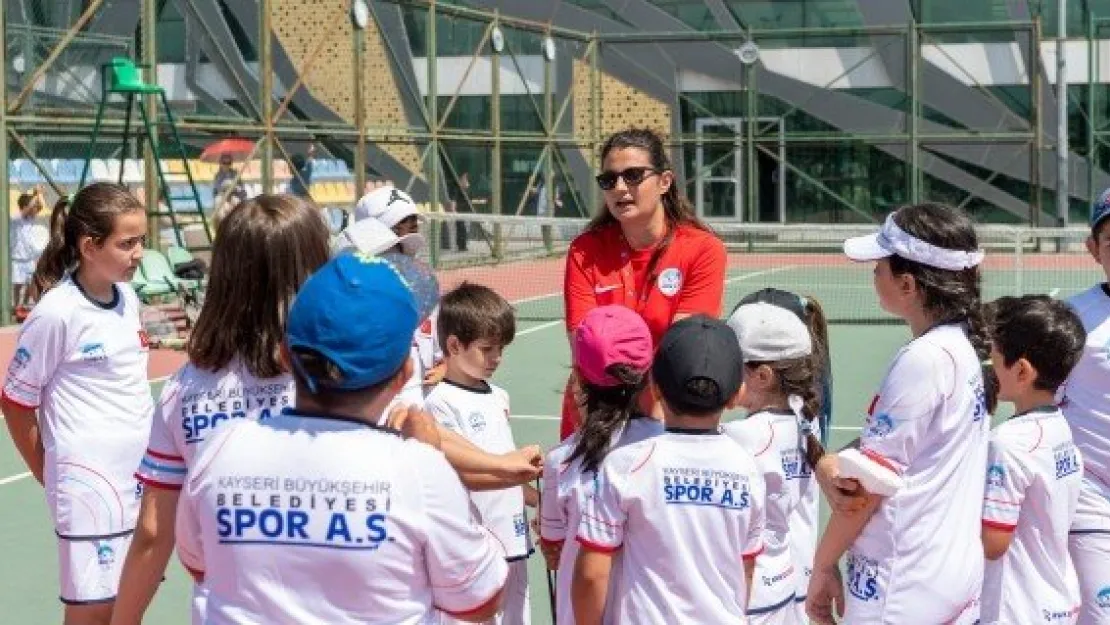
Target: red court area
[[163, 362]]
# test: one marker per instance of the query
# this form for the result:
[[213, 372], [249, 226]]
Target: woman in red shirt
[[646, 250]]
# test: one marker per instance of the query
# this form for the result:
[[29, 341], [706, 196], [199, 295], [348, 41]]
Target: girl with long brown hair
[[76, 400], [267, 247]]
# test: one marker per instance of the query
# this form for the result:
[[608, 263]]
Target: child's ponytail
[[818, 325], [57, 258], [800, 381], [608, 409]]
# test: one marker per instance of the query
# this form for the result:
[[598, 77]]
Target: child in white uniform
[[28, 238], [1086, 406], [1035, 469], [475, 325], [318, 515], [612, 355], [915, 556], [76, 400], [394, 210], [686, 508], [805, 522], [781, 392], [235, 371]]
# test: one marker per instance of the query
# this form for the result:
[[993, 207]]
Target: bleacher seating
[[332, 184]]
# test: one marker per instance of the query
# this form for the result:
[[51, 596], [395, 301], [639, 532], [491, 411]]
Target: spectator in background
[[226, 186], [302, 173], [28, 238], [460, 203], [547, 205]]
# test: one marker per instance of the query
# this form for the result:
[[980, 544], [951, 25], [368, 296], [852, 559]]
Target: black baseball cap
[[777, 297], [698, 348]]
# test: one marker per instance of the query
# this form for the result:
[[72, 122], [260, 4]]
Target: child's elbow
[[995, 543], [994, 552]]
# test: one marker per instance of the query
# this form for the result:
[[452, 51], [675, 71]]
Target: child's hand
[[522, 465], [845, 495], [531, 496], [825, 596], [413, 422], [435, 374]]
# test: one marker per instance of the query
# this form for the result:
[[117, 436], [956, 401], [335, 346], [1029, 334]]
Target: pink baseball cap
[[611, 335]]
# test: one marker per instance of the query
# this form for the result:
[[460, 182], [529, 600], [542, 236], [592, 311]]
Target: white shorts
[[1090, 553], [866, 598], [1093, 510], [94, 519], [22, 270], [516, 609], [199, 603], [90, 568]]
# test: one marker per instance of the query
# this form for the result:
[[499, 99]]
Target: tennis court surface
[[535, 368]]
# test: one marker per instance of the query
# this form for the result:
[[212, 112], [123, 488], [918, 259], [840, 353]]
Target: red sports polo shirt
[[602, 269]]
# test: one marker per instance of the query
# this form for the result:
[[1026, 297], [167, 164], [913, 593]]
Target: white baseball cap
[[389, 205], [370, 236], [769, 333], [892, 239]]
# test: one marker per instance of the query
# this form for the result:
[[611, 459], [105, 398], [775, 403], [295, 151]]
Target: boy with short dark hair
[[685, 507], [1034, 470], [1086, 406], [475, 325]]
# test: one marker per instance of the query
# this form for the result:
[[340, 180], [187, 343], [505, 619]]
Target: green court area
[[534, 372]]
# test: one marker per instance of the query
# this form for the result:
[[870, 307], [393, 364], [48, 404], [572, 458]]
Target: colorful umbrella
[[237, 149]]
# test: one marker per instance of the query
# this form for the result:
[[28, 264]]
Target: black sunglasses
[[632, 176]]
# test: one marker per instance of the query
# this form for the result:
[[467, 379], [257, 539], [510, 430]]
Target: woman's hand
[[845, 495], [825, 596]]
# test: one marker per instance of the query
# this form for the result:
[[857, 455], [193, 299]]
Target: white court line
[[517, 302], [1054, 292], [551, 324], [542, 326], [15, 478]]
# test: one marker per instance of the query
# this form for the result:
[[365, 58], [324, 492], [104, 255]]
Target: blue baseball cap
[[1101, 209], [358, 312]]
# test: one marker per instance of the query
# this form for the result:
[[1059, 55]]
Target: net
[[523, 259]]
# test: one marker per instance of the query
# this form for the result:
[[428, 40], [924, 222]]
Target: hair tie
[[797, 406]]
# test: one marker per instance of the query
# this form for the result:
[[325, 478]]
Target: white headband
[[891, 240]]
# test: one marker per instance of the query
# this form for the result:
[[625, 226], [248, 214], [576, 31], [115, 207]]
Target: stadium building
[[778, 111]]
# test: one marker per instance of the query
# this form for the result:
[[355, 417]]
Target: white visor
[[891, 240], [369, 236]]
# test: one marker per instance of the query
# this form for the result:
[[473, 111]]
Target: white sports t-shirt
[[195, 403], [83, 365], [300, 519], [565, 490], [1032, 490], [920, 559], [772, 439], [481, 416], [28, 239], [1086, 405], [685, 509]]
